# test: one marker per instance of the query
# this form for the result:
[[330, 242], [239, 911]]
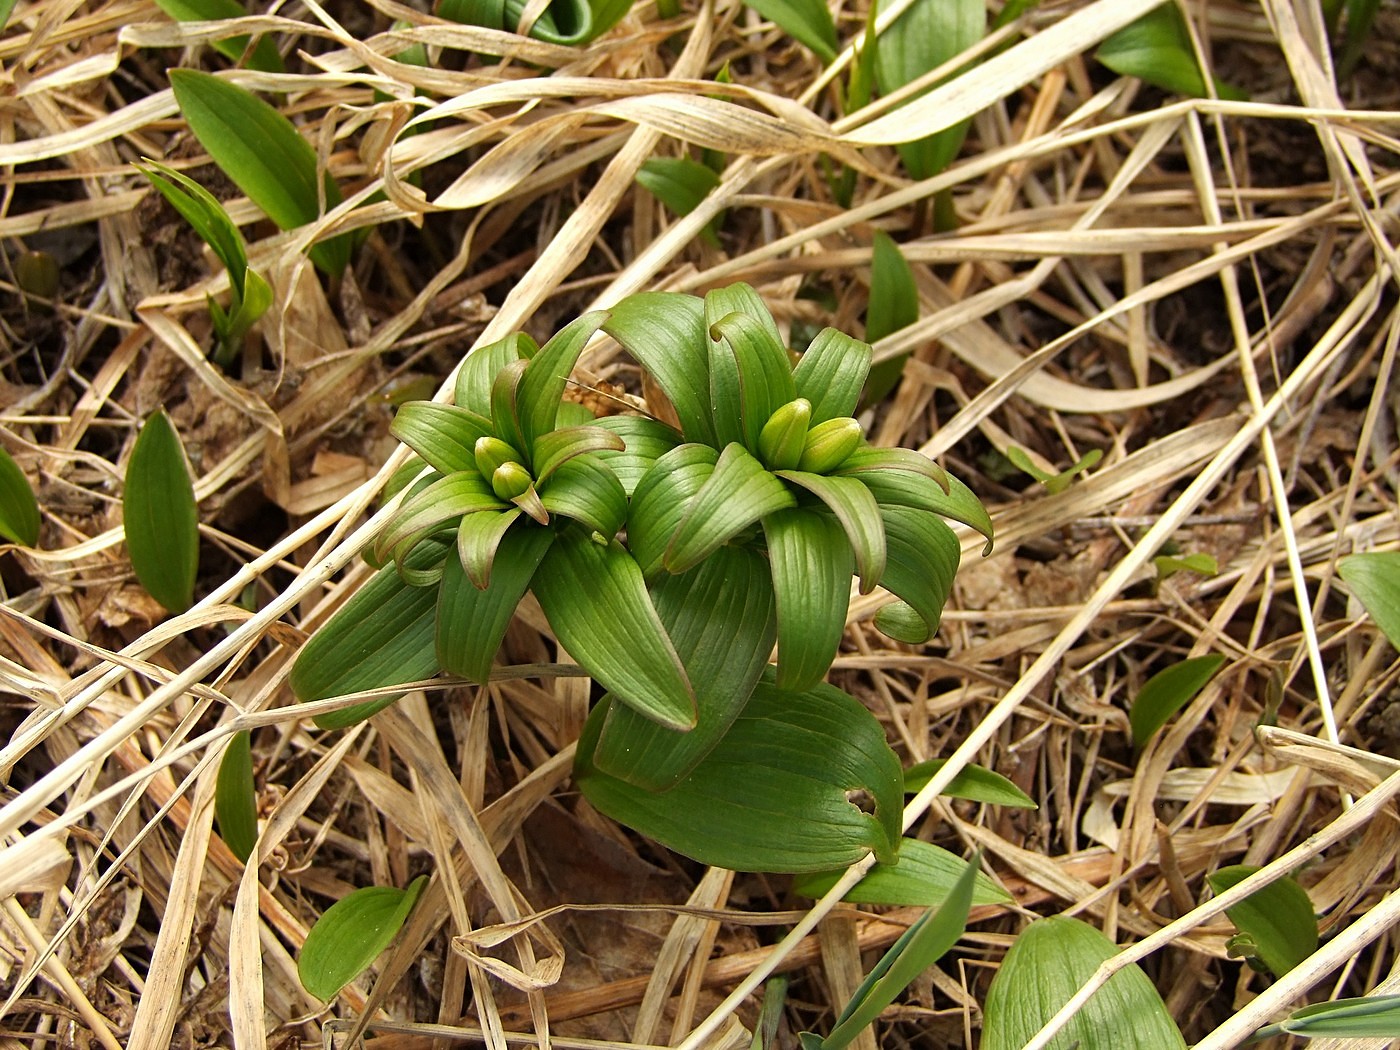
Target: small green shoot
[[681, 184], [918, 948], [923, 874], [19, 510], [264, 57], [250, 294], [1048, 963], [235, 797], [972, 782], [1366, 1017], [160, 516], [1167, 692], [1054, 483], [1168, 565], [1359, 17], [1157, 49], [1278, 928], [1374, 580], [264, 154], [894, 304], [351, 933]]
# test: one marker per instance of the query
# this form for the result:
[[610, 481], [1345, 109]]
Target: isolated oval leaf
[[924, 874], [1167, 692], [1374, 578], [264, 154], [775, 793], [894, 304], [681, 184], [382, 636], [1279, 918], [1157, 48], [236, 798], [19, 510], [159, 515], [352, 933], [971, 782], [1048, 963]]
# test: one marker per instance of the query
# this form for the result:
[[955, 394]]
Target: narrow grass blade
[[808, 22], [235, 797], [770, 1014], [160, 517], [1157, 48], [264, 154], [665, 332], [19, 510], [894, 304], [775, 792], [594, 598], [831, 374], [383, 636], [1167, 692], [974, 783], [351, 933], [472, 620], [812, 564], [1278, 923], [918, 948], [924, 874], [1374, 579], [722, 619], [737, 495], [1045, 967], [202, 210], [855, 508]]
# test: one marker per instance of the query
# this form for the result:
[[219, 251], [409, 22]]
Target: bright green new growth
[[250, 295], [1277, 924], [160, 516]]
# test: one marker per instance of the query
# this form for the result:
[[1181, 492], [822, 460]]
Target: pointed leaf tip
[[160, 517]]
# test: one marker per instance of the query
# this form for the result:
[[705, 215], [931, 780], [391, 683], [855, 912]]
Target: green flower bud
[[782, 438], [829, 443], [491, 454], [509, 480]]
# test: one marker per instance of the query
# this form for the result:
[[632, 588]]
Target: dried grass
[[1203, 289]]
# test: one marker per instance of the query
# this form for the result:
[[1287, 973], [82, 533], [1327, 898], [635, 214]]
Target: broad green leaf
[[775, 794], [444, 435], [666, 333], [1374, 1016], [478, 542], [1374, 579], [924, 874], [472, 388], [737, 495], [741, 298], [1167, 692], [765, 377], [894, 304], [926, 35], [812, 563], [19, 510], [681, 184], [585, 490], [1054, 483], [1278, 920], [434, 507], [547, 375], [808, 22], [898, 488], [471, 620], [1048, 963], [867, 458], [382, 636], [727, 393], [901, 621], [918, 948], [1157, 48], [352, 933], [236, 797], [598, 606], [264, 154], [554, 449], [971, 782], [160, 516], [855, 508], [922, 555], [661, 500], [264, 58], [831, 373], [645, 441], [722, 620]]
